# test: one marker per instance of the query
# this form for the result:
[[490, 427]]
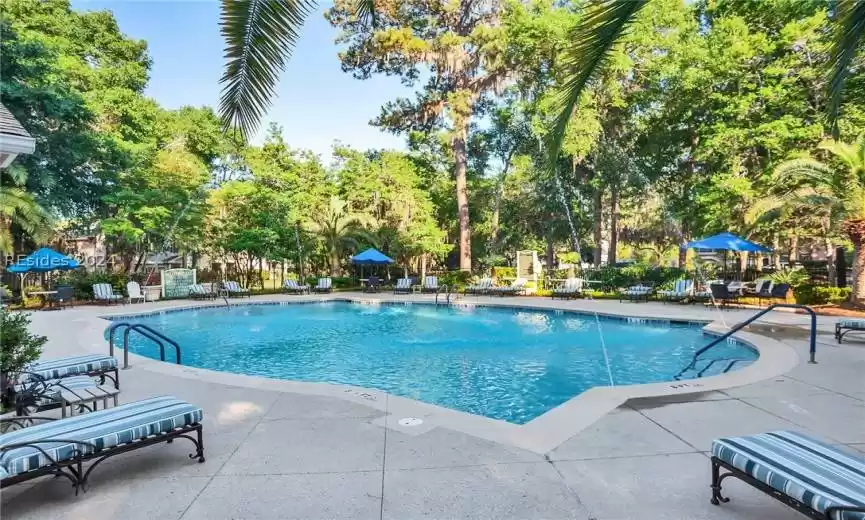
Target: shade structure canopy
[[371, 256], [728, 241], [43, 261]]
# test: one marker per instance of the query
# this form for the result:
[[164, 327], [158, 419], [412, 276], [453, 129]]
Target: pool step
[[712, 367]]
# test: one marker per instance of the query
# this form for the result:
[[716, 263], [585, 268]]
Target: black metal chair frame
[[73, 468], [297, 290], [840, 332], [373, 284], [805, 509], [403, 290]]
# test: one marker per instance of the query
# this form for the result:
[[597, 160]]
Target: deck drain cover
[[410, 421]]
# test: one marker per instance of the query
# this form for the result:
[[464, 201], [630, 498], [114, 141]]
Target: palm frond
[[366, 12], [803, 171], [592, 40], [259, 38], [849, 29]]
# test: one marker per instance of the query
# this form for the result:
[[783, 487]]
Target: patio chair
[[777, 292], [103, 292], [292, 287], [234, 289], [133, 290], [373, 284], [430, 284], [94, 365], [403, 286], [722, 295], [811, 476], [198, 292], [324, 285], [63, 297], [682, 290], [636, 293], [844, 327], [482, 287], [63, 446], [572, 288], [763, 286], [518, 286], [34, 394]]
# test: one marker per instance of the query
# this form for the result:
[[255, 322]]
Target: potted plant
[[18, 348]]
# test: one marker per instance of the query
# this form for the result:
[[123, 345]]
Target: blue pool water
[[502, 363]]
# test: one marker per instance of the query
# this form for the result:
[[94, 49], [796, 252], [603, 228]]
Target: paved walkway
[[277, 454]]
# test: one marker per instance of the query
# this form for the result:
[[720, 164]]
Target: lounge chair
[[636, 293], [63, 297], [430, 284], [36, 394], [133, 290], [63, 446], [373, 284], [518, 286], [94, 365], [198, 292], [292, 287], [844, 327], [103, 292], [722, 295], [682, 290], [234, 289], [572, 288], [403, 286], [482, 287], [324, 285], [776, 292], [762, 287], [813, 477]]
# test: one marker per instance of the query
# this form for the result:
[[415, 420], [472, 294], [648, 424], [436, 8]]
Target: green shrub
[[613, 277], [504, 272], [19, 348], [794, 277], [82, 281], [808, 294], [456, 280]]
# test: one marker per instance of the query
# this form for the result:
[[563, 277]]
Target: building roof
[[9, 125]]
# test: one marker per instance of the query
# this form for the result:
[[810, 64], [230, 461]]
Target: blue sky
[[317, 103]]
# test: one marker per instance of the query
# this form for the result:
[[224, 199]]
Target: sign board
[[176, 282]]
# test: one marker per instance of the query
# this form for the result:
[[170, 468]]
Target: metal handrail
[[740, 326], [439, 290], [144, 330]]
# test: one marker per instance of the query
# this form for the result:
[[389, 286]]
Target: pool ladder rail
[[447, 294], [720, 339], [146, 331]]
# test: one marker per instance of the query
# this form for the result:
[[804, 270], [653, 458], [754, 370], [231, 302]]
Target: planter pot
[[152, 293]]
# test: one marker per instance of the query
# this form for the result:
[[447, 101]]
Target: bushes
[[808, 294], [504, 272], [18, 347], [337, 282], [456, 280], [613, 277], [82, 282]]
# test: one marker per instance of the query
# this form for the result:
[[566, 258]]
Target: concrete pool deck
[[277, 453]]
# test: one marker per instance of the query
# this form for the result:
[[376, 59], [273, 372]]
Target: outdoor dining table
[[43, 296]]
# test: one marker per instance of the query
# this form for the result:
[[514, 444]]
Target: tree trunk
[[758, 262], [551, 253], [776, 252], [494, 220], [460, 166], [830, 262], [855, 229], [334, 263], [794, 250], [261, 272], [597, 232], [423, 267], [614, 225]]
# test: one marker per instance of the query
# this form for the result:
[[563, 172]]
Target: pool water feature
[[502, 363]]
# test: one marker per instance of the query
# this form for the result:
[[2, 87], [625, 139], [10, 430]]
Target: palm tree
[[339, 229], [19, 207], [259, 38], [809, 182]]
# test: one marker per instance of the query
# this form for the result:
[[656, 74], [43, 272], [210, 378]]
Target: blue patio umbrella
[[728, 241], [43, 261], [371, 256]]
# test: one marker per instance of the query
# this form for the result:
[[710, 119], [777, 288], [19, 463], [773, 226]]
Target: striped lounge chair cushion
[[852, 324], [73, 366], [637, 290], [801, 467], [104, 428]]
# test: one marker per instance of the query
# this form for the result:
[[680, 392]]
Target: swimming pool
[[503, 363]]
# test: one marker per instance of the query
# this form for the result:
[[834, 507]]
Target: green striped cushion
[[104, 428], [72, 366], [801, 467], [852, 324]]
